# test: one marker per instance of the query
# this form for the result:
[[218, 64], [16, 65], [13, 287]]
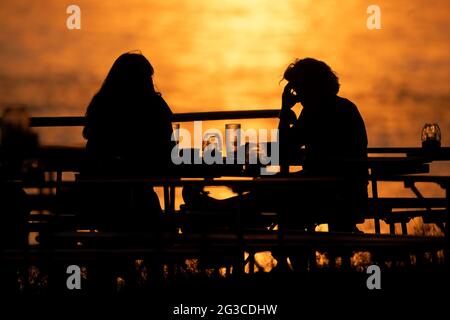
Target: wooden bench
[[391, 210]]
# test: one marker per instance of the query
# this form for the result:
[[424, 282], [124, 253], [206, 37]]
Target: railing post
[[59, 178], [404, 228], [172, 198], [167, 205], [391, 225], [447, 227], [376, 204], [240, 263]]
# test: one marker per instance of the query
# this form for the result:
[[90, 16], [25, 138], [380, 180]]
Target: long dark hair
[[130, 77]]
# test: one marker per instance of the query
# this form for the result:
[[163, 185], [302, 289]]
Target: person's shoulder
[[96, 99], [346, 105], [161, 107], [166, 106], [157, 101], [345, 102]]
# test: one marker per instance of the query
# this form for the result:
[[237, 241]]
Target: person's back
[[331, 134], [133, 138]]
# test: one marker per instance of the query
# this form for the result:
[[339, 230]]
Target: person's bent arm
[[287, 118]]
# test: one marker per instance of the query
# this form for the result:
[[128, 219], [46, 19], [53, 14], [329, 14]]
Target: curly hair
[[313, 75]]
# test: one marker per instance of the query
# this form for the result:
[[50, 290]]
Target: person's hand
[[289, 98]]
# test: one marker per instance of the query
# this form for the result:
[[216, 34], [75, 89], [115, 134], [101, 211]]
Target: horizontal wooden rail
[[220, 182], [63, 158], [412, 151], [252, 240], [78, 121]]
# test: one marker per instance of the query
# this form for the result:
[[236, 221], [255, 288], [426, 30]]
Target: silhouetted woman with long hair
[[128, 131]]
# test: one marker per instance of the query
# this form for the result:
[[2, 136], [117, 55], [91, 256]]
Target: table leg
[[172, 198], [377, 208], [447, 227], [166, 199]]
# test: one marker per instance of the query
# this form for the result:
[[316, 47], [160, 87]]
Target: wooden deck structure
[[63, 242]]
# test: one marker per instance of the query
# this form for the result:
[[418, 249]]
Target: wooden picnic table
[[399, 164]]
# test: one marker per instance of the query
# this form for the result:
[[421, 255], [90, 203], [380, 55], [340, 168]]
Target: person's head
[[312, 80], [126, 89], [131, 72]]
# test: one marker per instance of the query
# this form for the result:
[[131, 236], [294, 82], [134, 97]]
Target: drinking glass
[[233, 139], [431, 136], [176, 132], [210, 143]]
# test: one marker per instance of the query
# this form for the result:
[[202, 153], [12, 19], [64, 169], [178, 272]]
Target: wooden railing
[[76, 121]]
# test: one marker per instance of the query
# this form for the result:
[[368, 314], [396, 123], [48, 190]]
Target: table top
[[392, 160]]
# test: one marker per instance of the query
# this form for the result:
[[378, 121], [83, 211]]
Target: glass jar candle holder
[[431, 136]]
